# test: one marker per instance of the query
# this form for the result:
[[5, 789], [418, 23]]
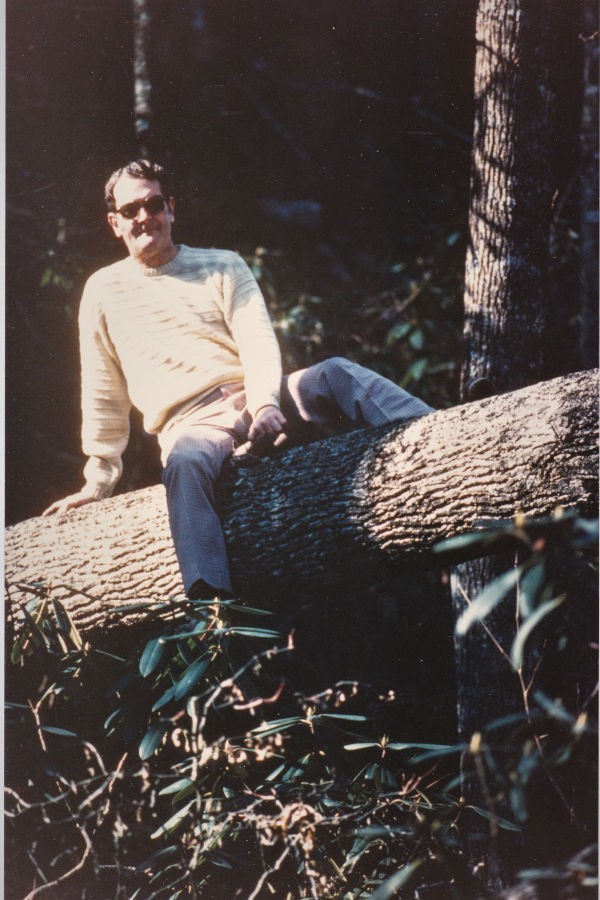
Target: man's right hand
[[73, 501]]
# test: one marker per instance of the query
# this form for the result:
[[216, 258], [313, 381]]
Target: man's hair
[[138, 168]]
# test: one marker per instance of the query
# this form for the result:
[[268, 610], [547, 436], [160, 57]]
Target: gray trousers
[[328, 398]]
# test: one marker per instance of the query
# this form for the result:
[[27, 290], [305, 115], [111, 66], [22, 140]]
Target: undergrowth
[[200, 765]]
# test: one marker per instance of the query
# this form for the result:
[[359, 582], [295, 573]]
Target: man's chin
[[145, 245], [145, 239]]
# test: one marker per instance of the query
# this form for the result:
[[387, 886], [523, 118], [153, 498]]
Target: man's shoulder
[[113, 273], [209, 258]]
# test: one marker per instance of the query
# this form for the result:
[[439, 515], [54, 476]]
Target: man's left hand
[[269, 420]]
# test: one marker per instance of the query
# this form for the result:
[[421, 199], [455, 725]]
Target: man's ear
[[113, 221], [171, 205]]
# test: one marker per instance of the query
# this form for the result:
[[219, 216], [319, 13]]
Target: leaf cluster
[[217, 773]]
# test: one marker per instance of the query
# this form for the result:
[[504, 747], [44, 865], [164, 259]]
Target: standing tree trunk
[[589, 189], [509, 226], [511, 194], [142, 85]]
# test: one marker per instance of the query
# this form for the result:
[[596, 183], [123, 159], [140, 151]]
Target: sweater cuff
[[268, 400], [265, 406], [101, 475]]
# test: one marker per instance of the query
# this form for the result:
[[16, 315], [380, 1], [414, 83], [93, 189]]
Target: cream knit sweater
[[156, 338]]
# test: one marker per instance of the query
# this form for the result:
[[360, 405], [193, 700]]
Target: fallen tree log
[[341, 508]]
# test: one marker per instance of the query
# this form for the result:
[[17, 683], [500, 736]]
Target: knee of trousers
[[338, 372], [189, 461], [336, 364]]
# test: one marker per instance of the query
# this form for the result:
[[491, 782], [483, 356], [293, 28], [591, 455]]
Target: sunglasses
[[153, 206]]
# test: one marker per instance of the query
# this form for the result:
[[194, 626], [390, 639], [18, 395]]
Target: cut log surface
[[344, 507]]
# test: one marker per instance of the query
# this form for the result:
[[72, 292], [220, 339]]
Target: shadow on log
[[348, 508]]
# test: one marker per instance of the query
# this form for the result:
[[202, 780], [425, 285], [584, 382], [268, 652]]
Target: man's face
[[147, 235]]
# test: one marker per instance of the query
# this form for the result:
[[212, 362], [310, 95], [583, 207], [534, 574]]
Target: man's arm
[[105, 407], [248, 319]]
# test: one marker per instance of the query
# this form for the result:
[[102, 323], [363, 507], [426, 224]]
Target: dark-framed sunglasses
[[153, 206]]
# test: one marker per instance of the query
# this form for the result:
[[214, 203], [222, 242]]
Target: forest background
[[329, 144]]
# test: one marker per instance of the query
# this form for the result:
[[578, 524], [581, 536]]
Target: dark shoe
[[200, 590], [479, 388]]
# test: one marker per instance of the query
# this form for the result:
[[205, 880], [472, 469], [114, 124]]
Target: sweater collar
[[168, 268]]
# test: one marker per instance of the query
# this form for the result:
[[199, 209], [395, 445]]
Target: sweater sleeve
[[105, 403], [248, 319]]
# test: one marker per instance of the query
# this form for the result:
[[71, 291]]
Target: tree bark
[[142, 84], [589, 189], [511, 194], [349, 507], [512, 187]]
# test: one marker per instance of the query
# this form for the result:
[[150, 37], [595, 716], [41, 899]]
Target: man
[[184, 335]]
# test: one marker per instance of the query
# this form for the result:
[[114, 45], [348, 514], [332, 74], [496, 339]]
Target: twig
[[266, 874], [62, 878]]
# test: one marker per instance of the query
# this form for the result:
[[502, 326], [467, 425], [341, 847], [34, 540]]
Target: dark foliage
[[217, 760]]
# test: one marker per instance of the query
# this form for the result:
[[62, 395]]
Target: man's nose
[[143, 214]]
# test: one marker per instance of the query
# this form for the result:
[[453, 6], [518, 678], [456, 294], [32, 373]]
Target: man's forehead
[[129, 188]]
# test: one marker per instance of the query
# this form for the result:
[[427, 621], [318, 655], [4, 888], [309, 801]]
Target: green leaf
[[47, 276], [417, 339], [396, 333], [66, 625], [530, 587], [50, 729], [472, 540], [589, 533], [149, 863], [177, 786], [387, 780], [152, 739], [414, 372], [527, 627], [220, 861], [251, 610], [497, 820], [362, 745], [191, 676], [112, 720], [437, 747], [510, 719], [398, 880], [174, 822], [517, 802], [33, 633], [199, 628], [435, 754], [359, 847], [151, 656], [164, 699], [347, 716], [276, 725], [250, 632], [276, 772], [555, 709], [488, 599]]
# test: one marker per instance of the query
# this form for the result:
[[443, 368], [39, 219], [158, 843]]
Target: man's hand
[[270, 420], [73, 501]]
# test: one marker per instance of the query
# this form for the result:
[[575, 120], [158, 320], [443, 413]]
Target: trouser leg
[[191, 471], [337, 395]]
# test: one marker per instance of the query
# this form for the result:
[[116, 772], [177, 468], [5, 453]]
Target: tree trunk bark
[[511, 194], [350, 507], [142, 84], [512, 187], [589, 189]]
